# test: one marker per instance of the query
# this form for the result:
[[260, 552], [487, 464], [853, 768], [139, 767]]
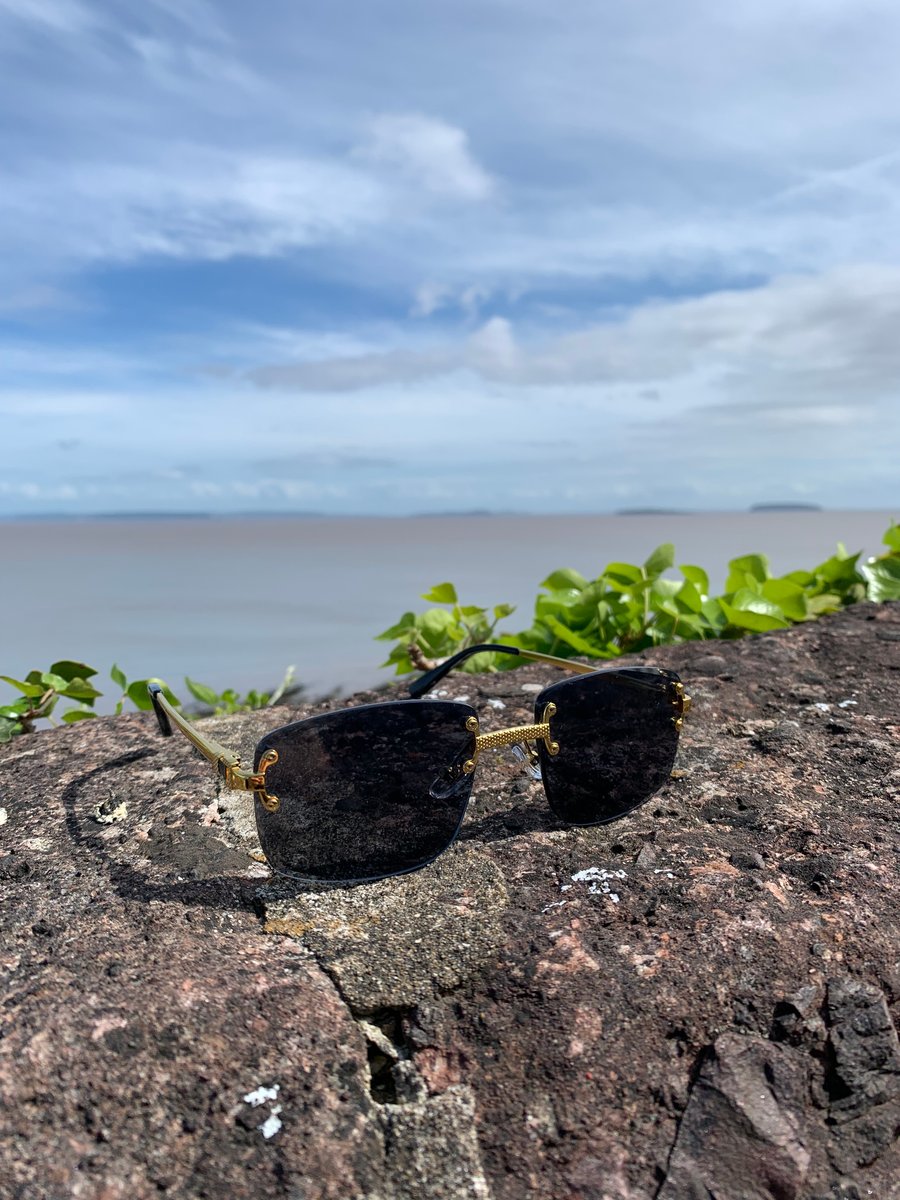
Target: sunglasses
[[365, 793]]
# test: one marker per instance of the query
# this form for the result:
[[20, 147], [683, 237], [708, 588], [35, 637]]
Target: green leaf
[[441, 593], [118, 677], [788, 596], [697, 576], [751, 611], [840, 569], [80, 689], [433, 632], [582, 645], [8, 730], [14, 710], [825, 602], [72, 670], [139, 697], [77, 714], [27, 689], [404, 627], [564, 578], [754, 565], [664, 589], [660, 560], [883, 577], [892, 537], [690, 597], [503, 610], [49, 680], [201, 692], [622, 572]]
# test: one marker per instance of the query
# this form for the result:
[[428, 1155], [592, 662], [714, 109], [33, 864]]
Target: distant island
[[651, 512], [786, 508]]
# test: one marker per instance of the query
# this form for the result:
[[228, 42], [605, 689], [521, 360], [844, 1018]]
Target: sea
[[232, 602]]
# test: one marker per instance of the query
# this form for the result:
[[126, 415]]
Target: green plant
[[41, 692], [629, 608], [439, 632], [230, 701]]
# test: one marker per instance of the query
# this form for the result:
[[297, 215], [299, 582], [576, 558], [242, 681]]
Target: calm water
[[233, 602]]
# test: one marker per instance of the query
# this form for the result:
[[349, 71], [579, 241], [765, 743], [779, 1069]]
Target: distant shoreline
[[760, 509]]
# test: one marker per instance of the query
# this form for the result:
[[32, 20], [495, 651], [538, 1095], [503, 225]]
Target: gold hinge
[[511, 737], [254, 781], [681, 702]]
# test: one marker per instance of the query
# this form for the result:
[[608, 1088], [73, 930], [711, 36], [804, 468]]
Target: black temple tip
[[165, 726]]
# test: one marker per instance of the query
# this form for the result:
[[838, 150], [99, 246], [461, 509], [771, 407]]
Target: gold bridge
[[515, 735]]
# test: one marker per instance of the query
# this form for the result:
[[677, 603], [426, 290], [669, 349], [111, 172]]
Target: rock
[[742, 1134], [747, 860], [693, 1001], [711, 664], [865, 1081], [369, 939]]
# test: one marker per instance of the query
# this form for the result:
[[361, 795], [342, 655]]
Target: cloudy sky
[[428, 255]]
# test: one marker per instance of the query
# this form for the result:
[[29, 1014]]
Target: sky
[[447, 255]]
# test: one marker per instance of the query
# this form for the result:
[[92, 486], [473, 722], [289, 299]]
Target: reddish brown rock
[[713, 1000]]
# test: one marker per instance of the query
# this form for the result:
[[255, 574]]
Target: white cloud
[[427, 152], [826, 336]]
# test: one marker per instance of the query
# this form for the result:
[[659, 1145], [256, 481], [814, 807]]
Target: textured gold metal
[[254, 781], [513, 736], [681, 703], [226, 763]]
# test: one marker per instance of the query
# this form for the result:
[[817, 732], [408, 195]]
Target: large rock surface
[[707, 1015]]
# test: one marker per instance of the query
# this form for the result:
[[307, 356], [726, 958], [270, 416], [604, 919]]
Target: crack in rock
[[394, 943]]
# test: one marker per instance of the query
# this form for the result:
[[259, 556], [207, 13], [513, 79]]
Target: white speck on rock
[[532, 687], [822, 707], [272, 1124], [847, 703], [461, 699], [599, 879], [261, 1095], [4, 816], [495, 703]]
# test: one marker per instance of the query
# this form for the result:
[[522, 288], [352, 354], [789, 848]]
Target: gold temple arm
[[225, 761], [567, 664]]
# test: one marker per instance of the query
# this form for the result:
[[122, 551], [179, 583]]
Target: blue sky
[[444, 255]]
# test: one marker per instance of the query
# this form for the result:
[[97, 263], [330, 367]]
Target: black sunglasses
[[381, 789]]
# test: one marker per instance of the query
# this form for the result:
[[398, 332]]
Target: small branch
[[418, 659]]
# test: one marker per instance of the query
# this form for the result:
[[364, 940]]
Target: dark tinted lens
[[617, 742], [366, 792]]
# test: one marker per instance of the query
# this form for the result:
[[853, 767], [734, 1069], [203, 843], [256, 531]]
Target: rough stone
[[369, 939], [698, 1000], [742, 1133]]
